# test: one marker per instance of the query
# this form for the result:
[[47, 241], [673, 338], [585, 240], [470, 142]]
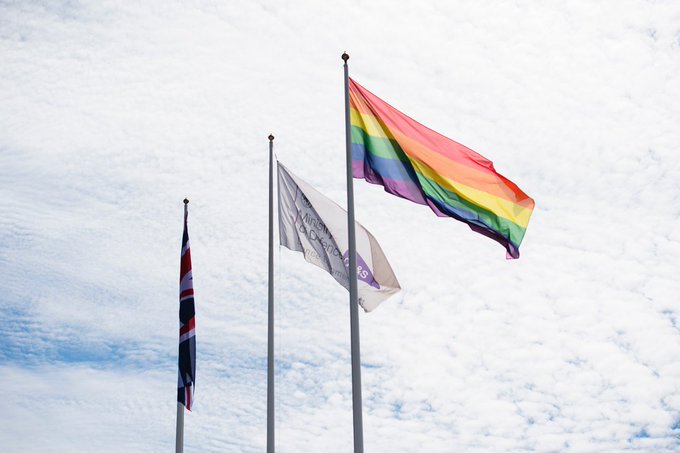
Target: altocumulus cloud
[[112, 113]]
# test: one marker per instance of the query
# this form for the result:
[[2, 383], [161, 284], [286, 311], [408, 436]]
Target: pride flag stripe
[[388, 168], [401, 188], [394, 164], [470, 211], [458, 170], [416, 163], [462, 206], [500, 206], [382, 119], [383, 147], [391, 162]]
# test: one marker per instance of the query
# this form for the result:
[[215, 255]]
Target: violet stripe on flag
[[187, 323]]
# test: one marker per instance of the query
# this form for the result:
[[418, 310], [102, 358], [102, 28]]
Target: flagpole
[[270, 307], [179, 429], [353, 305]]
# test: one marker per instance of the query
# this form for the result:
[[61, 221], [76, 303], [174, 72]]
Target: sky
[[112, 112]]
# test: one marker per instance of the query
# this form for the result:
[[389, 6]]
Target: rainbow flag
[[416, 163]]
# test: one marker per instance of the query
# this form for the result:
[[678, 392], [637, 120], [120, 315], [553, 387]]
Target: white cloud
[[112, 113]]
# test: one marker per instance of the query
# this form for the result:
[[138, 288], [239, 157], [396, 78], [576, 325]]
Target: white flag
[[311, 223]]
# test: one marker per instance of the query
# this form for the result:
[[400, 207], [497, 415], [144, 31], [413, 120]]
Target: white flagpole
[[270, 307], [352, 270]]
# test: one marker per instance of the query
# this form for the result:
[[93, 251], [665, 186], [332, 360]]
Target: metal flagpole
[[179, 429], [353, 305], [270, 308], [179, 437]]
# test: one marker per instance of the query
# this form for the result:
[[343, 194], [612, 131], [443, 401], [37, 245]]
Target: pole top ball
[[271, 137], [186, 201], [345, 57]]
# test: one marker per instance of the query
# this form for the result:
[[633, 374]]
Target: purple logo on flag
[[363, 271]]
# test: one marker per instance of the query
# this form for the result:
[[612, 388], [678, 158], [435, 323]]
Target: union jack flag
[[187, 324]]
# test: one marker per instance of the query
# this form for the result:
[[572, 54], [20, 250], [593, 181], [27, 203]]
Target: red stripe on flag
[[190, 325], [185, 263]]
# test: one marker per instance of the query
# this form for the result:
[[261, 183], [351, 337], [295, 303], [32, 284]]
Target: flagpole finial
[[271, 137], [345, 57], [186, 201]]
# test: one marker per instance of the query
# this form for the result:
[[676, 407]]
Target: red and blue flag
[[187, 324]]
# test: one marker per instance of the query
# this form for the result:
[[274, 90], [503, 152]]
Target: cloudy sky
[[112, 112]]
